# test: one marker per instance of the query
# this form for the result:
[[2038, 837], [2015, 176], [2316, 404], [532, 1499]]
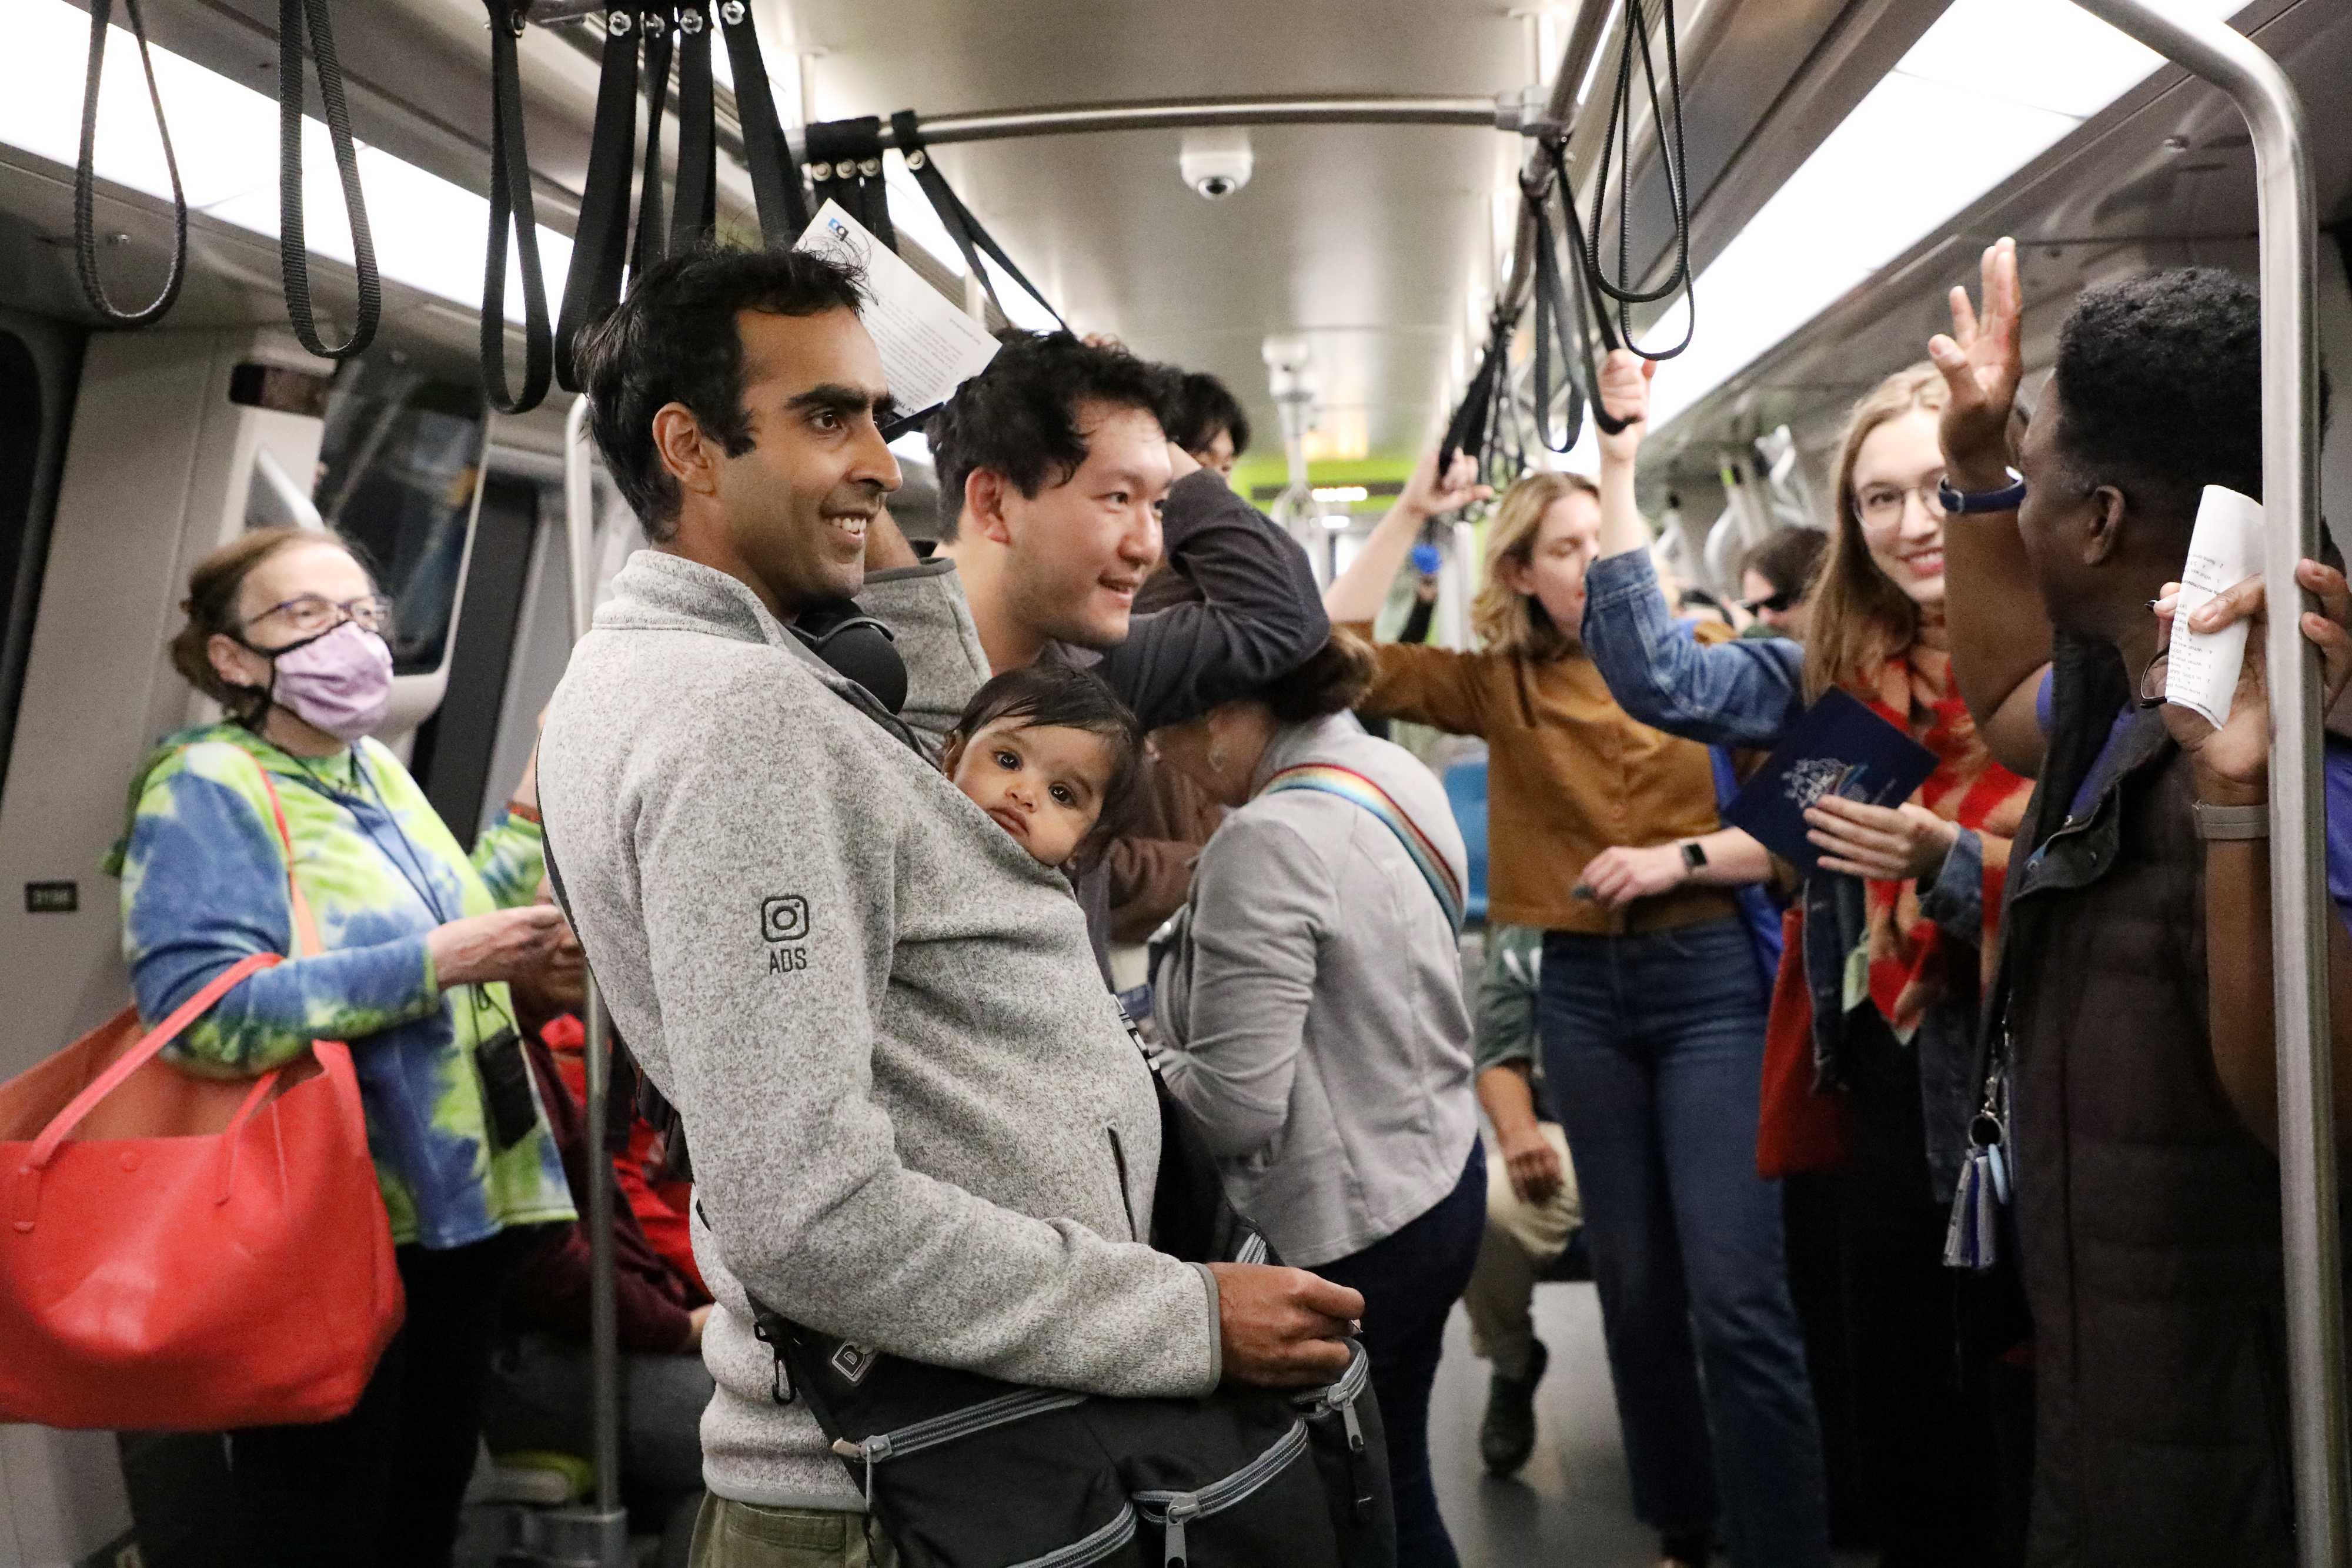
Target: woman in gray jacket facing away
[[1313, 1013]]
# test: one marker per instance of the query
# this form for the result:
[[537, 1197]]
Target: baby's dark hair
[[1051, 695]]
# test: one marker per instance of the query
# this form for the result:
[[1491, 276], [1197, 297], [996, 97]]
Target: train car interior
[[1332, 206]]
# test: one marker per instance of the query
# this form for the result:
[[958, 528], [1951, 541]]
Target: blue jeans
[[1654, 1049], [1410, 1280]]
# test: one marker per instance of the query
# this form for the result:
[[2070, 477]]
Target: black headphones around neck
[[852, 644]]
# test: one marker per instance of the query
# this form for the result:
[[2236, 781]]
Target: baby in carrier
[[1050, 754]]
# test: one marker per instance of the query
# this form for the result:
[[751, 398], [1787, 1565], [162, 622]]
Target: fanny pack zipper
[[931, 1432], [1176, 1509], [1341, 1397], [1093, 1549]]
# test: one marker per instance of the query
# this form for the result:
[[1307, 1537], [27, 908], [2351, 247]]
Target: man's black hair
[[1051, 695], [1205, 405], [675, 339], [2160, 382], [1019, 417]]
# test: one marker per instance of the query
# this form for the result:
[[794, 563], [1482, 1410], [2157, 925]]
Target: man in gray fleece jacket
[[917, 1121]]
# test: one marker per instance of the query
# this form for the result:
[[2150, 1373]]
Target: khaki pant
[[1521, 1241], [729, 1534]]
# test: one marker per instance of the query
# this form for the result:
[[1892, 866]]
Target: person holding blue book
[[1871, 1068]]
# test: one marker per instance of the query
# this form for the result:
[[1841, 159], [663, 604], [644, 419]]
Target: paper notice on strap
[[929, 347], [2224, 550]]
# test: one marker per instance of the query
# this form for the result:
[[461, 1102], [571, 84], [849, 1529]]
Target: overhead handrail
[[2289, 263], [293, 249], [511, 203], [845, 165], [93, 288]]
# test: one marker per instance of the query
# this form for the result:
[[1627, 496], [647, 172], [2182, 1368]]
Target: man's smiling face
[[796, 504], [1082, 547]]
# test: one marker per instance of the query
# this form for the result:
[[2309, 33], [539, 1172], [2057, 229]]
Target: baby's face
[[1042, 783]]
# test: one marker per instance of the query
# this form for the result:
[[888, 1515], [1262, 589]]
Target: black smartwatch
[[1693, 855], [1965, 502]]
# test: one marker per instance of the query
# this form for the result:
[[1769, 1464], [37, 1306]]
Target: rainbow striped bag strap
[[1349, 785]]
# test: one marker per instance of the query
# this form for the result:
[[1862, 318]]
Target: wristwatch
[[1963, 503], [1693, 855]]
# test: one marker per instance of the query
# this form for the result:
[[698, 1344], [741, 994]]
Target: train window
[[452, 756], [396, 475]]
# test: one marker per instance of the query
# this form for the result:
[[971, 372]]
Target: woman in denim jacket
[[1895, 934]]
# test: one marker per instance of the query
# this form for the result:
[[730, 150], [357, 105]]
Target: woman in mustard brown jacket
[[1605, 835]]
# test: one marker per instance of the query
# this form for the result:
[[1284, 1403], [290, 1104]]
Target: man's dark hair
[[1205, 405], [1019, 417], [2160, 381], [1051, 695], [1789, 561], [675, 339]]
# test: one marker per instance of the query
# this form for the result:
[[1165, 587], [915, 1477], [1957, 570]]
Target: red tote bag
[[188, 1254]]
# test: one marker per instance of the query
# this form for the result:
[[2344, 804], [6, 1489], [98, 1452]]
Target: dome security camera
[[1216, 162]]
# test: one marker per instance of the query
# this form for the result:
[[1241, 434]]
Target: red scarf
[[1907, 963]]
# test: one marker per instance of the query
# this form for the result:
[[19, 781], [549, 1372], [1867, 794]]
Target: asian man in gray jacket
[[918, 1120]]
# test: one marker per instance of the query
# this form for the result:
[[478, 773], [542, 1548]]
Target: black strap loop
[[600, 246], [970, 235], [86, 181], [1467, 430], [775, 177], [846, 158], [1617, 146], [511, 200], [293, 251], [694, 220], [653, 228]]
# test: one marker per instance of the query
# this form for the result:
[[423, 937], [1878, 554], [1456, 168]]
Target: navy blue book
[[1839, 747]]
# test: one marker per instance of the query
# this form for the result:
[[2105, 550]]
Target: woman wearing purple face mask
[[286, 631]]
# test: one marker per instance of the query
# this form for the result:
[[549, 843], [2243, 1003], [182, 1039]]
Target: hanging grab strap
[[1617, 146], [970, 235], [775, 177], [293, 251], [1561, 323], [653, 229], [1469, 430], [694, 220], [511, 201], [600, 247], [86, 181]]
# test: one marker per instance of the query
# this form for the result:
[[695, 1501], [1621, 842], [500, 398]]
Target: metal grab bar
[[2290, 267], [604, 1532]]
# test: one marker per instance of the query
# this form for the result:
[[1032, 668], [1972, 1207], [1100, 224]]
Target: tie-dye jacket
[[203, 884]]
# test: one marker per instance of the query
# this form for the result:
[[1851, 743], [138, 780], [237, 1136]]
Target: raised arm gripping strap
[[86, 180], [293, 249], [970, 236], [511, 201]]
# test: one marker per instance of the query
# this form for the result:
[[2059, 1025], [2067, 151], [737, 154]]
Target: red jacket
[[655, 1298]]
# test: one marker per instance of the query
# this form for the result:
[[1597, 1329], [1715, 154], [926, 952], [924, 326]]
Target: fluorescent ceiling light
[[1345, 495], [430, 234], [1897, 169]]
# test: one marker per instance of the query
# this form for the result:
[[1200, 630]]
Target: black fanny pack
[[961, 1470]]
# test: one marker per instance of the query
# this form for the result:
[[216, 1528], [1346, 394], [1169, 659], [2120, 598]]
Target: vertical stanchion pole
[[606, 1531], [2211, 50]]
